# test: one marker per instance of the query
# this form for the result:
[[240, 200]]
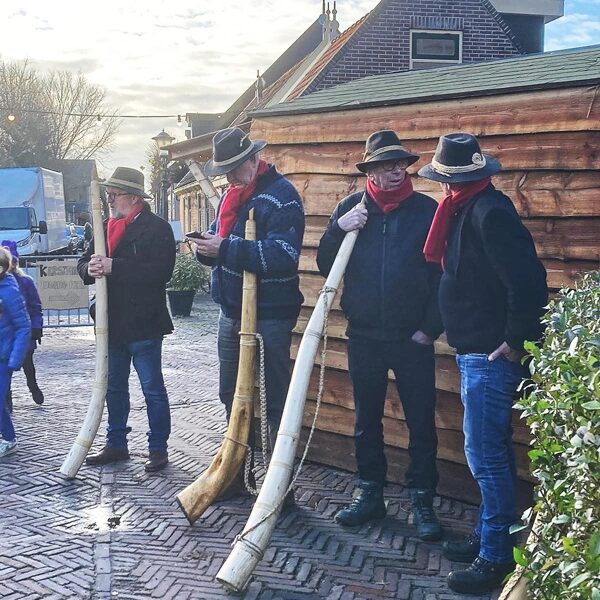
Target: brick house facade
[[383, 43]]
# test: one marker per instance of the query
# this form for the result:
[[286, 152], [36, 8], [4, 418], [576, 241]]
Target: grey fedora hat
[[382, 146], [458, 159], [127, 179], [231, 148]]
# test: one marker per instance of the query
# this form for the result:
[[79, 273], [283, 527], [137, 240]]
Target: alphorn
[[250, 546], [200, 494], [93, 417]]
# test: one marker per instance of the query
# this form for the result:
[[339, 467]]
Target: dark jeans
[[277, 337], [7, 431], [146, 357], [29, 370], [487, 392], [414, 367]]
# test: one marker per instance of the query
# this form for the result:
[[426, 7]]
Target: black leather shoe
[[38, 396], [425, 519], [367, 506], [107, 456], [466, 550], [481, 577], [156, 461]]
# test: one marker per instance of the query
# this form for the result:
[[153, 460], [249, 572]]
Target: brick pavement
[[116, 532]]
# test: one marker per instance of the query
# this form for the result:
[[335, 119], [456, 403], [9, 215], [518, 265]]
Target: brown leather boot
[[107, 455], [156, 461]]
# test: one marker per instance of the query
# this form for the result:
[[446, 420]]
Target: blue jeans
[[487, 392], [7, 431], [413, 365], [277, 337], [146, 356]]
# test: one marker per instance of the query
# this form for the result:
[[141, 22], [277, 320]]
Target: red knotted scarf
[[233, 200], [388, 200], [115, 230], [459, 196]]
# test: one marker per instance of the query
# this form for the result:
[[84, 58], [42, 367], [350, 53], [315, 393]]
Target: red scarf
[[435, 246], [233, 200], [115, 230], [389, 200]]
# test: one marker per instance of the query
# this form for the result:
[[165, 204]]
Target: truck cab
[[32, 210]]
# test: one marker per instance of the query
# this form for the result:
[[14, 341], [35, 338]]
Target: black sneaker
[[425, 519], [481, 577], [367, 506], [466, 550], [38, 396]]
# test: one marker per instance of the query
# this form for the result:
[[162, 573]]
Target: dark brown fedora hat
[[127, 179], [382, 146], [231, 148]]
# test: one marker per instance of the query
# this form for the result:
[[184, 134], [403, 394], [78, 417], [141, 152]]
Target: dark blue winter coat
[[390, 292], [15, 327], [274, 256]]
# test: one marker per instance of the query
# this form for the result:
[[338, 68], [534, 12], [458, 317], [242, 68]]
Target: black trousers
[[413, 365]]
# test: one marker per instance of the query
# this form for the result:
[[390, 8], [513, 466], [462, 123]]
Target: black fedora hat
[[127, 179], [231, 148], [382, 146], [457, 159]]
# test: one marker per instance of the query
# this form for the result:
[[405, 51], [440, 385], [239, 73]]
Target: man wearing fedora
[[140, 261], [492, 296], [279, 215], [390, 301]]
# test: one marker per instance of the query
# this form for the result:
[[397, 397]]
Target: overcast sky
[[175, 57]]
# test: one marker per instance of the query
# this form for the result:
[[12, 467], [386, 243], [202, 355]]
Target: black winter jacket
[[142, 265], [389, 290], [493, 289]]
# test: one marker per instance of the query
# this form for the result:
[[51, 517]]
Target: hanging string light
[[12, 115]]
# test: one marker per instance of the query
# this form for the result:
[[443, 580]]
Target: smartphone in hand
[[194, 235]]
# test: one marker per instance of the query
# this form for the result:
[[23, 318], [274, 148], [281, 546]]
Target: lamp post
[[163, 139]]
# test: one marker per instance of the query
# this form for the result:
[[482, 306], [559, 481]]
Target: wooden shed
[[539, 115]]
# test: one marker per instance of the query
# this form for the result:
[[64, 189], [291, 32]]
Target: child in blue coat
[[15, 332], [34, 309]]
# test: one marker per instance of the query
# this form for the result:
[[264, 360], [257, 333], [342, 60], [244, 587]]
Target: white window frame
[[437, 60]]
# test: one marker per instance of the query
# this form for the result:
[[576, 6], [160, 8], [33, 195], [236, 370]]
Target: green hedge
[[562, 407]]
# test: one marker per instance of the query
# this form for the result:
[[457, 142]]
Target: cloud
[[573, 30]]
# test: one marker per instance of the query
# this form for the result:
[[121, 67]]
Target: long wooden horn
[[93, 417], [254, 539], [200, 494]]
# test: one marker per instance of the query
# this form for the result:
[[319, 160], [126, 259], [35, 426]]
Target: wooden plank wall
[[549, 145]]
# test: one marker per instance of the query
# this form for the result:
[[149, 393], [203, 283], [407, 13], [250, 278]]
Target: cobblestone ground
[[116, 532]]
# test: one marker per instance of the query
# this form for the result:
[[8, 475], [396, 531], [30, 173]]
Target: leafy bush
[[188, 274], [562, 557]]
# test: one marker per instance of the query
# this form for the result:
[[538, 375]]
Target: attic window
[[434, 48]]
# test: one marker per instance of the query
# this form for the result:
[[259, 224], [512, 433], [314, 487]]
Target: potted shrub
[[188, 276]]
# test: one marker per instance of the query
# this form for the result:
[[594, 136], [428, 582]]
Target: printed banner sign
[[60, 286]]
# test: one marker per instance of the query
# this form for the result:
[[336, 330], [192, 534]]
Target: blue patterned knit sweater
[[279, 217]]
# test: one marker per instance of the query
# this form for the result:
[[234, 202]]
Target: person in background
[[34, 309], [140, 261], [492, 296], [15, 332], [390, 299]]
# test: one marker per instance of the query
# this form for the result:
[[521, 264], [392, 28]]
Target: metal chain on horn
[[264, 425], [322, 294]]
